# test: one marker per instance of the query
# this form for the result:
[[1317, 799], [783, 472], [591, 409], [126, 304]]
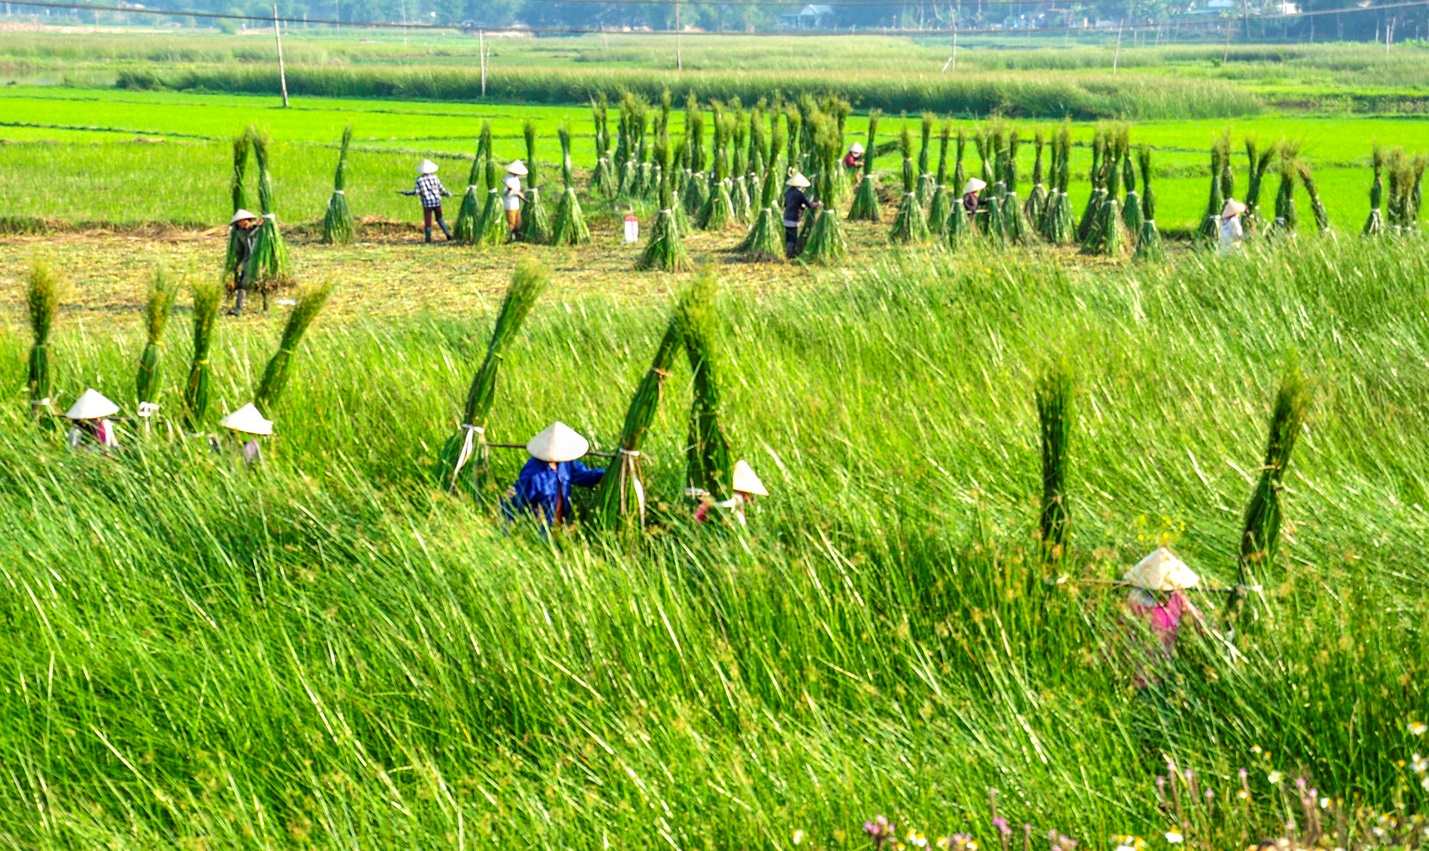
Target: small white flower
[[1324, 803], [1425, 784], [1274, 777], [799, 837], [1418, 727], [1174, 837], [1419, 764], [1255, 749]]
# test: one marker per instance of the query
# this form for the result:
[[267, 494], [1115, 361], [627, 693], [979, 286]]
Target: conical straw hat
[[559, 442], [242, 215], [798, 180], [856, 147], [517, 167], [247, 420], [427, 167], [91, 405], [1162, 571], [745, 481], [1232, 208], [974, 184]]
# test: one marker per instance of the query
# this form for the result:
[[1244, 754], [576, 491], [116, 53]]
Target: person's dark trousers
[[791, 241], [429, 213]]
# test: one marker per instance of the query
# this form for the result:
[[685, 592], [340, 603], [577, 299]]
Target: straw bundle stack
[[337, 221]]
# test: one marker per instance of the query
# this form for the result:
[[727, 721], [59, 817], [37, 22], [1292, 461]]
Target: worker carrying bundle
[[544, 486], [746, 486], [430, 191], [244, 235], [91, 428]]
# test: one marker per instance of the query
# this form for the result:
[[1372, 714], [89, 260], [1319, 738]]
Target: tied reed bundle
[[942, 205], [1209, 230], [1258, 163], [337, 221], [1287, 219], [758, 153], [1092, 211], [463, 458], [665, 252], [1148, 239], [570, 227], [865, 200], [206, 298], [269, 265], [1036, 207], [718, 211], [1061, 225], [839, 109], [1014, 220], [825, 242], [491, 224], [957, 226], [465, 230], [603, 183], [241, 149], [43, 293], [1108, 233], [926, 185], [960, 174], [1374, 225], [275, 375], [1260, 532], [909, 225], [620, 496], [765, 242], [1317, 206], [535, 220], [156, 317], [708, 462], [738, 193], [1401, 183], [1131, 212], [1055, 414], [693, 199]]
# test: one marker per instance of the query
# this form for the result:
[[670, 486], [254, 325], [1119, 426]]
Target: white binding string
[[467, 448]]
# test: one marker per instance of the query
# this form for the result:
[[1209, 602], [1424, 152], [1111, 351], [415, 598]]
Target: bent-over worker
[[853, 160], [247, 425], [544, 486], [972, 197], [90, 415], [1231, 231], [746, 486], [1158, 603], [430, 191], [795, 203]]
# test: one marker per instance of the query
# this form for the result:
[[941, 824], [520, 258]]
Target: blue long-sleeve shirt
[[547, 492]]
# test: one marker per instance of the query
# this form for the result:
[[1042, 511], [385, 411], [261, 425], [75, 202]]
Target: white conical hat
[[745, 481], [798, 180], [856, 147], [249, 420], [1232, 208], [1162, 571], [517, 167], [974, 184], [91, 405], [427, 167], [242, 215], [559, 442]]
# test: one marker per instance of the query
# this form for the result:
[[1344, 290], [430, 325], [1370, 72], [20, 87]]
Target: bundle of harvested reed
[[1148, 239], [268, 266], [943, 198], [337, 221], [569, 228], [665, 252], [1097, 175], [1209, 230], [1036, 206], [960, 174], [824, 242], [535, 220], [1014, 219], [1287, 219], [275, 375], [156, 318], [1108, 233], [694, 198], [491, 227], [1374, 225], [708, 461], [718, 211], [1062, 222], [241, 147], [738, 194], [865, 201], [43, 293], [926, 184], [1317, 207], [1258, 162], [765, 241], [206, 296], [469, 213], [464, 456], [1131, 213], [1055, 414], [909, 225], [603, 181]]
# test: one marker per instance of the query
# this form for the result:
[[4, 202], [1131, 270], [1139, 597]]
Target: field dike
[[328, 652]]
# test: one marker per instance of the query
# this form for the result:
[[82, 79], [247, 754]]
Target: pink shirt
[[1164, 622]]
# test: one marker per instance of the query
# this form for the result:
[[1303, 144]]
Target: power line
[[524, 30]]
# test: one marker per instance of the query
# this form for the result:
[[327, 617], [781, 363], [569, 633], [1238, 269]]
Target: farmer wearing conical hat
[[248, 424], [513, 196], [972, 196], [1159, 604], [746, 486], [544, 486], [430, 191], [853, 160], [1231, 231], [90, 415], [244, 226], [795, 203]]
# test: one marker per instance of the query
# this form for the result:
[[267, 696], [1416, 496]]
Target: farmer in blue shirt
[[544, 486], [430, 191]]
